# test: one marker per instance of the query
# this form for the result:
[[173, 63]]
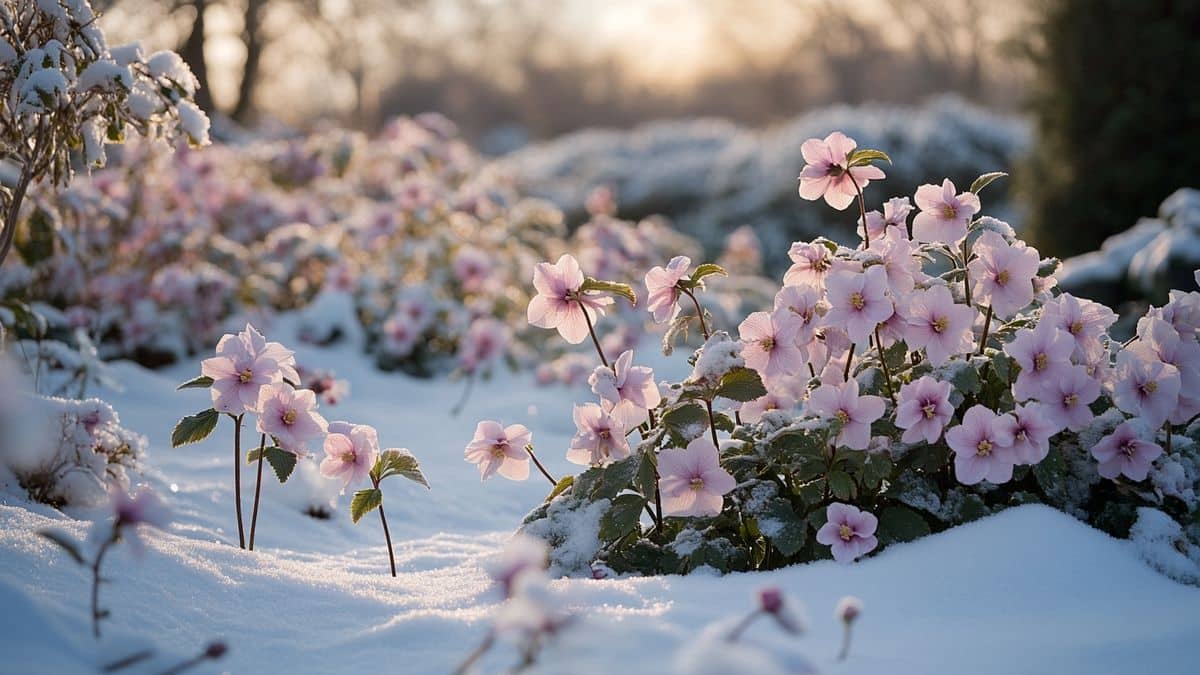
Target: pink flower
[[629, 389], [848, 531], [893, 222], [1067, 398], [600, 439], [1145, 388], [944, 215], [938, 325], [856, 413], [898, 261], [290, 416], [1031, 430], [244, 363], [769, 341], [559, 302], [924, 409], [752, 411], [522, 554], [1085, 321], [1002, 275], [982, 447], [1044, 354], [1125, 452], [400, 335], [662, 296], [811, 263], [692, 481], [472, 268], [485, 341], [498, 449], [143, 507], [827, 173], [1158, 339], [350, 452], [858, 301]]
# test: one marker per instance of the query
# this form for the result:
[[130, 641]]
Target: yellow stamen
[[1002, 277], [1070, 400], [842, 416], [845, 532], [289, 417], [929, 410], [949, 212], [984, 448], [941, 324], [857, 301], [1040, 361], [697, 483], [246, 375]]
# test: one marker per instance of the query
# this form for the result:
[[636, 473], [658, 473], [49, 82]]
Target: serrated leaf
[[561, 487], [865, 156], [194, 428], [622, 517], [780, 524], [841, 485], [900, 523], [680, 417], [364, 502], [614, 478], [282, 462], [986, 180], [399, 463], [741, 384], [600, 286], [876, 469], [201, 382], [65, 542], [706, 270], [645, 481]]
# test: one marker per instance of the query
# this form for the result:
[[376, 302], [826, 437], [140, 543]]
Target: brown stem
[[712, 425], [699, 314], [849, 360], [387, 535], [887, 374], [987, 323], [476, 654], [127, 661], [96, 613], [592, 332], [966, 274], [262, 445], [237, 477], [862, 208], [529, 449], [14, 210], [742, 626]]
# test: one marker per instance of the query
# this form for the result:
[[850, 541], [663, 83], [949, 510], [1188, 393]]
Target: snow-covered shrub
[[927, 377]]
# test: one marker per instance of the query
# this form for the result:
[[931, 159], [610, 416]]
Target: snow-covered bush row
[[710, 176], [929, 376], [1144, 262]]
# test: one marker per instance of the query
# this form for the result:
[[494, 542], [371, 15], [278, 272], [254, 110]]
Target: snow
[[1026, 590]]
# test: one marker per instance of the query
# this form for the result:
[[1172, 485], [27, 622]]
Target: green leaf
[[596, 285], [399, 463], [1051, 472], [780, 523], [876, 469], [202, 382], [622, 517], [708, 269], [561, 486], [841, 485], [678, 419], [65, 542], [194, 428], [741, 384], [645, 479], [364, 502], [900, 523], [615, 478], [281, 461], [865, 156], [1048, 267], [986, 180]]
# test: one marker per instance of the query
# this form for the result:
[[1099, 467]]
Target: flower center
[[984, 448], [929, 410], [857, 301], [289, 417], [1075, 328], [949, 212], [246, 375], [1070, 400], [348, 457], [497, 451], [1128, 448], [697, 483], [1002, 277], [605, 434], [940, 324], [767, 344], [1149, 387], [820, 265], [842, 416], [1040, 361], [1020, 435], [845, 532]]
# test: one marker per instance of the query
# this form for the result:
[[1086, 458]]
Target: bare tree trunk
[[193, 54], [253, 38]]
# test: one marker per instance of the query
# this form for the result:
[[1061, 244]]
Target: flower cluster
[[928, 376]]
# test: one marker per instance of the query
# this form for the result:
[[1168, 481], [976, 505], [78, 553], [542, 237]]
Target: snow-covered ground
[[1029, 590]]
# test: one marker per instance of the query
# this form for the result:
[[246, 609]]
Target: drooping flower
[[858, 301], [692, 481], [924, 409], [629, 389], [1067, 398], [559, 303], [856, 413], [770, 343], [350, 452], [1146, 388], [662, 295], [1031, 430], [523, 553], [1044, 354], [811, 263], [893, 222], [1124, 451], [982, 447], [499, 449], [827, 173], [938, 325], [1002, 274], [1085, 321], [290, 415], [848, 531], [244, 363], [144, 507], [599, 439], [944, 215]]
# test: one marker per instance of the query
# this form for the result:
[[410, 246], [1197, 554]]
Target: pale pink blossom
[[662, 294], [811, 263], [752, 411], [560, 304], [400, 335], [692, 481], [1145, 388], [244, 363], [1158, 339], [903, 269], [599, 439], [982, 447], [1125, 452], [856, 413], [944, 215], [629, 389], [807, 303], [472, 267], [497, 449], [827, 173], [485, 341], [848, 531], [893, 222], [290, 416], [938, 325], [1085, 321], [858, 301], [1067, 398], [1002, 274], [770, 343], [1044, 355], [923, 409], [1031, 430], [350, 452]]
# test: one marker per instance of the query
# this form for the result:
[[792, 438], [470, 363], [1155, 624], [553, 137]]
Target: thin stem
[[1167, 428], [476, 654], [845, 644], [387, 535], [237, 477], [987, 323], [699, 314], [96, 580], [658, 516], [529, 449], [127, 661], [862, 208], [465, 395], [592, 332], [849, 360], [966, 274], [887, 373], [262, 445], [712, 425], [742, 626], [14, 210]]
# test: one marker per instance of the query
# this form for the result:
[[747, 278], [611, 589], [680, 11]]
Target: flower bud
[[848, 609]]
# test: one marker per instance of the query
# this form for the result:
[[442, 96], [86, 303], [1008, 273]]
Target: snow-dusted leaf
[[194, 428], [622, 517], [780, 523], [364, 502], [201, 382], [741, 384]]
